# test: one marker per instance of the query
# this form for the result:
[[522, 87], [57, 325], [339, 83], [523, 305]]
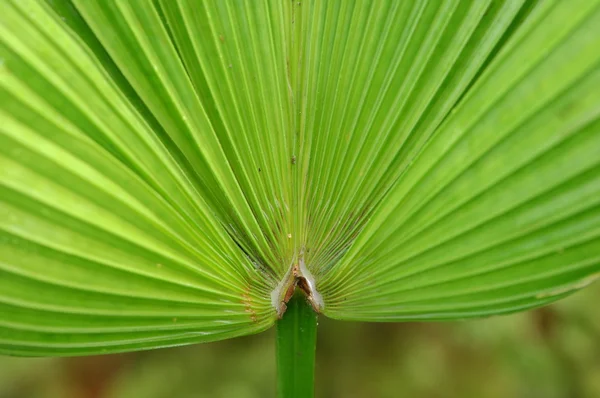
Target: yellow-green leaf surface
[[164, 164]]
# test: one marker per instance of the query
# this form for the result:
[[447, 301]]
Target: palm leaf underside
[[165, 165]]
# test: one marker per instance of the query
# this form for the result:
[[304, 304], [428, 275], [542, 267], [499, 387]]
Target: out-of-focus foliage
[[553, 352]]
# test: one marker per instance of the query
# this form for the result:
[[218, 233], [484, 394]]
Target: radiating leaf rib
[[378, 87], [144, 343], [155, 67], [66, 140], [512, 167], [99, 217], [35, 344], [226, 58]]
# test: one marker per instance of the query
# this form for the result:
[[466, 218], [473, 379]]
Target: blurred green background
[[552, 352]]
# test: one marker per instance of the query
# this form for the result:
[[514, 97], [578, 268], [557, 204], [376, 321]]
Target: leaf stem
[[296, 344]]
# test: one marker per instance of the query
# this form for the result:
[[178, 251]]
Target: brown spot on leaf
[[247, 301]]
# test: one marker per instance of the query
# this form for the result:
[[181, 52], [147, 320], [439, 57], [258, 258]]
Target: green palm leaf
[[165, 166]]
